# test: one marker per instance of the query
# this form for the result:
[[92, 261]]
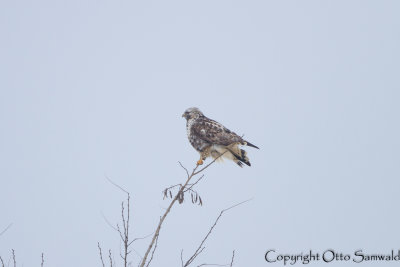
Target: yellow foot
[[200, 162]]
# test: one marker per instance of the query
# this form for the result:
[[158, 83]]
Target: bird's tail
[[240, 156], [246, 143]]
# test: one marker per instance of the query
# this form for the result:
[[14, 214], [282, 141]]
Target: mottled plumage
[[211, 138]]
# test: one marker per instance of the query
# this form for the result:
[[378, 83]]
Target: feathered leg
[[203, 155]]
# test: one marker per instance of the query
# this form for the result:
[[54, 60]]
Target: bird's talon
[[200, 162]]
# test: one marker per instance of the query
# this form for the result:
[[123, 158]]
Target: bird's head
[[192, 113]]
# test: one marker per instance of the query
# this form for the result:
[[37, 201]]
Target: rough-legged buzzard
[[211, 138]]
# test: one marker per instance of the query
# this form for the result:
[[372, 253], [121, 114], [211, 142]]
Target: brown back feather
[[214, 132]]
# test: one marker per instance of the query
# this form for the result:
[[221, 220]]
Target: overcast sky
[[90, 89]]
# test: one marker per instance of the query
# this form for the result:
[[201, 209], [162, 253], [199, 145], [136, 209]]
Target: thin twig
[[42, 264], [101, 254], [116, 185], [13, 255], [140, 238], [214, 264], [108, 222], [200, 247], [240, 203], [233, 257], [124, 234], [187, 173], [2, 262], [110, 257], [120, 233], [5, 230], [191, 185]]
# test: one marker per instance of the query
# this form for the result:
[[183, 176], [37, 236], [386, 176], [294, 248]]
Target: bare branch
[[238, 204], [187, 173], [110, 257], [214, 264], [108, 222], [13, 256], [178, 196], [2, 262], [191, 185], [116, 185], [124, 232], [182, 257], [42, 264], [5, 230], [154, 249], [201, 248], [101, 254], [120, 233], [140, 238]]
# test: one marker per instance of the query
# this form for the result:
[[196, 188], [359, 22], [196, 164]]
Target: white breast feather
[[189, 126]]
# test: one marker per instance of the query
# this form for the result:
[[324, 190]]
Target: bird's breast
[[194, 140], [189, 127]]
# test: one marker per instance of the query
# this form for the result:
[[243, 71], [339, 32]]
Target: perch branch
[[157, 232]]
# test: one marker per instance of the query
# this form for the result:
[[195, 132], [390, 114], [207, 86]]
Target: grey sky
[[96, 88]]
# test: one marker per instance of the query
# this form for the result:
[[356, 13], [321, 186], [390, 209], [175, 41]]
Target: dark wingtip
[[250, 144]]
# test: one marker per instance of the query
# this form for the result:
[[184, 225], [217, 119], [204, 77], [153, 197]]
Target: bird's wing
[[214, 133]]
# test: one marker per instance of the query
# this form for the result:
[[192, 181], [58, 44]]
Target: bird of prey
[[211, 138]]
